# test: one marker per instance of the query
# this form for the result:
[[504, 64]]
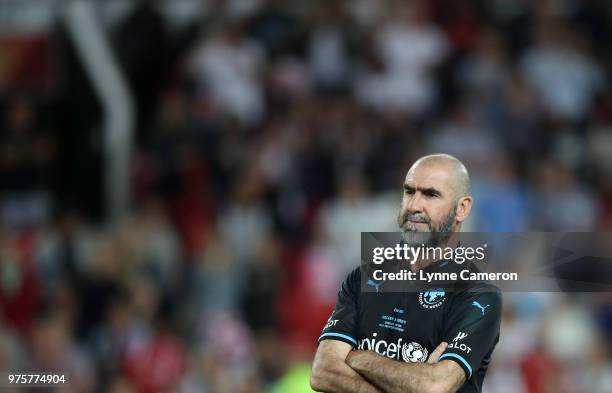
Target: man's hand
[[434, 357], [392, 376]]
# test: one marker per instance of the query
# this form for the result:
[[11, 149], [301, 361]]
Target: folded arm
[[331, 374], [396, 377]]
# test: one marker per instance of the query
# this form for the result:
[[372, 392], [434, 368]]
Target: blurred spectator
[[227, 363], [564, 204], [342, 219], [112, 339], [566, 77], [218, 274], [519, 118], [13, 355], [157, 365], [464, 134], [53, 349], [151, 243], [485, 69], [408, 46], [26, 165], [499, 186], [228, 66], [20, 288], [244, 222], [328, 48], [262, 287]]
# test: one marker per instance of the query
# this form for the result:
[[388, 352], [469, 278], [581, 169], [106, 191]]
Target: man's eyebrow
[[424, 190]]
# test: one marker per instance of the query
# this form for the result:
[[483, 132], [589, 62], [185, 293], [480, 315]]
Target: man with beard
[[437, 341]]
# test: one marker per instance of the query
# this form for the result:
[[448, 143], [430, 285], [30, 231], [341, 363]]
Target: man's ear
[[464, 206]]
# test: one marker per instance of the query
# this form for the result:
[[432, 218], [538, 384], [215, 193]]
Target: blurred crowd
[[269, 134]]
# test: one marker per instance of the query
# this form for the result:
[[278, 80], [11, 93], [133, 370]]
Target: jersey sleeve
[[342, 324], [472, 329]]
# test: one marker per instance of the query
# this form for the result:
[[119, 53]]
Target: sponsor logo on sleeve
[[331, 322], [455, 344]]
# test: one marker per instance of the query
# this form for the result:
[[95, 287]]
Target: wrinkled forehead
[[431, 175]]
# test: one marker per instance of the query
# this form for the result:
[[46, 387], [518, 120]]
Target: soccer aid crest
[[414, 353], [432, 298]]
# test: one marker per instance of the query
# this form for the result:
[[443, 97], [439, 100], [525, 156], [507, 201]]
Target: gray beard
[[436, 237]]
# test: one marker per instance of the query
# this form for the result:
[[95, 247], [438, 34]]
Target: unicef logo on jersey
[[414, 353], [399, 350], [433, 298]]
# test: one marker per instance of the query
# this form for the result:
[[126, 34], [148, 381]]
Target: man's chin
[[416, 238]]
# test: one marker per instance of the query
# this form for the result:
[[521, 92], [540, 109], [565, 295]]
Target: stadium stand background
[[269, 134]]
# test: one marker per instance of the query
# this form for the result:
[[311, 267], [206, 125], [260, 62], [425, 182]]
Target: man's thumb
[[435, 355]]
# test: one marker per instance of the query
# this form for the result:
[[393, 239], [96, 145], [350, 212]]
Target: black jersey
[[408, 326]]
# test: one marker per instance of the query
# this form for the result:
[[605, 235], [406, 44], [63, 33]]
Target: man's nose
[[415, 204]]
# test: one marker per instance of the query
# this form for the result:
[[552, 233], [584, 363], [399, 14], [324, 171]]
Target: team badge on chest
[[433, 298]]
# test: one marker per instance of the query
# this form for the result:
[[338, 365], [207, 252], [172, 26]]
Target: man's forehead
[[427, 176]]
